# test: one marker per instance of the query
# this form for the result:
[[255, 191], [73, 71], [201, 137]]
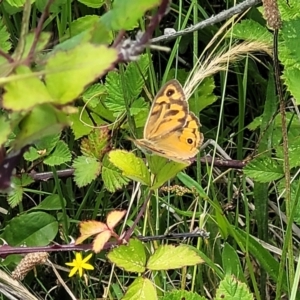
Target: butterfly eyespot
[[190, 141], [170, 92]]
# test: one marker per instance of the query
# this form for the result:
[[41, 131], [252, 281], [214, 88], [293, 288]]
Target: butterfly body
[[171, 130]]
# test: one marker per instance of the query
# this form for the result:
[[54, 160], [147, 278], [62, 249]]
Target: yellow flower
[[79, 264]]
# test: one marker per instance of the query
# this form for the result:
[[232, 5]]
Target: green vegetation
[[77, 80]]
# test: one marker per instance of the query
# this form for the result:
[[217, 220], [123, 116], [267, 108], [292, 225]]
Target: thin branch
[[39, 29], [129, 50], [230, 164], [224, 15]]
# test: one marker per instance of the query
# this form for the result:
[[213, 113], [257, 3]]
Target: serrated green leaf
[[251, 30], [25, 92], [43, 120], [125, 14], [264, 169], [92, 95], [294, 150], [5, 43], [33, 229], [291, 76], [141, 289], [51, 202], [168, 257], [115, 98], [42, 148], [180, 295], [131, 166], [288, 12], [163, 169], [291, 36], [135, 75], [231, 288], [86, 170], [97, 143], [60, 155], [15, 196], [68, 72], [112, 177], [130, 257]]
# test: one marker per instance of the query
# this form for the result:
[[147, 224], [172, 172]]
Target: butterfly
[[171, 131]]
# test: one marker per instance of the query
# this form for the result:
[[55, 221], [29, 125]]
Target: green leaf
[[43, 120], [5, 43], [141, 289], [112, 177], [97, 143], [56, 6], [134, 77], [131, 166], [231, 288], [294, 150], [5, 129], [42, 148], [68, 72], [288, 12], [163, 169], [93, 95], [51, 202], [92, 3], [180, 295], [25, 92], [86, 170], [60, 155], [264, 169], [262, 255], [33, 229], [101, 34], [290, 34], [82, 124], [203, 96], [130, 257], [125, 14], [139, 106], [168, 257], [80, 25], [191, 183], [15, 196], [17, 3], [10, 9], [115, 98], [291, 76], [43, 40], [250, 30], [231, 262]]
